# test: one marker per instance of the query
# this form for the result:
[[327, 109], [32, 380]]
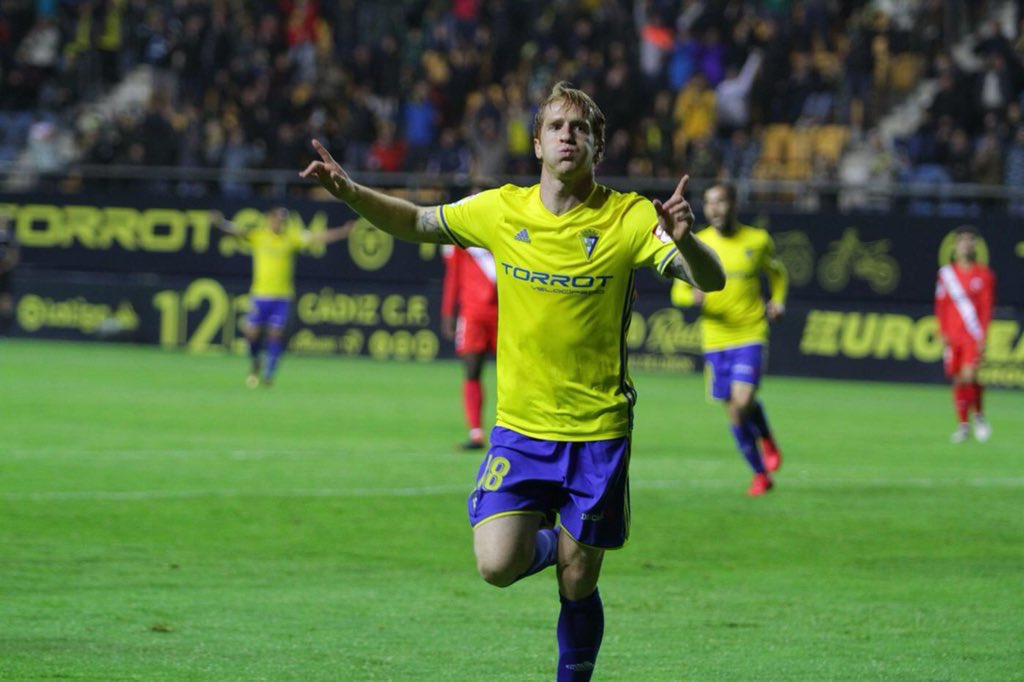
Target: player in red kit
[[469, 287], [964, 296]]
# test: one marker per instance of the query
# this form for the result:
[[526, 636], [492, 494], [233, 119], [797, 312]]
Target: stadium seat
[[904, 69], [802, 148], [830, 141], [777, 143]]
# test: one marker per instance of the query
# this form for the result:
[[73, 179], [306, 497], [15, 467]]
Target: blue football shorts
[[741, 364], [271, 312], [586, 482]]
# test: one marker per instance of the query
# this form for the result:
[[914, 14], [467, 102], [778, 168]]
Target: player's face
[[718, 208], [276, 219], [965, 247], [566, 144]]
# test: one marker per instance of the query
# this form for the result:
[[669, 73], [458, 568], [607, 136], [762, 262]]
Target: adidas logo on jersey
[[522, 236]]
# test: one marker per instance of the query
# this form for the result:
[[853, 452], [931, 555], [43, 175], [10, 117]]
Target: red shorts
[[960, 354], [476, 335]]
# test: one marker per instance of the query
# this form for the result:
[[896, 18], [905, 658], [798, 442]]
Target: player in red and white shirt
[[964, 295], [469, 288]]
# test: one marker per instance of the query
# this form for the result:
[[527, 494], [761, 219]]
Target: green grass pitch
[[159, 521]]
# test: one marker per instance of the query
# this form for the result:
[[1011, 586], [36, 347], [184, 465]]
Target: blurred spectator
[[951, 99], [694, 112], [387, 153], [703, 159], [301, 17], [617, 154], [682, 60], [44, 146], [987, 162], [238, 156], [156, 134], [740, 155], [859, 67], [519, 131], [711, 57], [732, 95], [357, 126], [39, 49], [33, 63], [1014, 169], [957, 156], [245, 85], [488, 146], [993, 90], [655, 43], [420, 119], [450, 155]]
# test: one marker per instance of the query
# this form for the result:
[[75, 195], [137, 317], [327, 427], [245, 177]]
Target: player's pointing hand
[[675, 214], [329, 173]]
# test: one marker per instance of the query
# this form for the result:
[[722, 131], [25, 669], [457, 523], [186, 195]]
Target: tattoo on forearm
[[677, 268], [428, 225]]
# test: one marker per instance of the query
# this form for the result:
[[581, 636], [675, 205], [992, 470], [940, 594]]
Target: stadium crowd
[[724, 89], [972, 130]]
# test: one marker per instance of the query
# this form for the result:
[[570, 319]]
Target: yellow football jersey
[[735, 315], [273, 260], [565, 295]]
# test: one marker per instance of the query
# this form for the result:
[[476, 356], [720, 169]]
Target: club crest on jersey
[[589, 239]]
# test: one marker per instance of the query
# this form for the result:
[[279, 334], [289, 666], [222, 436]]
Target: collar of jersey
[[547, 212]]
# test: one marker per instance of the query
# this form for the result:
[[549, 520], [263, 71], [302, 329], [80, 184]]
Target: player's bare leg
[[581, 618], [508, 548]]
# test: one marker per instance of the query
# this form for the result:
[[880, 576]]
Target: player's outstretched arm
[[398, 217], [333, 234], [697, 262], [218, 220]]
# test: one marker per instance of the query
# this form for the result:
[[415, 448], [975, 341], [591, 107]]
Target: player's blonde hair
[[564, 92]]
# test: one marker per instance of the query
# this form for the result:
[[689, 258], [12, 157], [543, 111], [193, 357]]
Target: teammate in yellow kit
[[734, 326], [274, 248], [565, 252]]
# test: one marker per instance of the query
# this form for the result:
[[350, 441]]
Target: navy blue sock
[[254, 350], [746, 441], [580, 629], [545, 552], [274, 349], [759, 420]]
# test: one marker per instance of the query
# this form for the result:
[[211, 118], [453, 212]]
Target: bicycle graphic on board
[[849, 257]]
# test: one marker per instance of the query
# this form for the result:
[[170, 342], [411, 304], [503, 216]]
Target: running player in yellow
[[734, 326], [274, 248], [565, 251]]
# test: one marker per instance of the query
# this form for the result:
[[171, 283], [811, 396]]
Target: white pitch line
[[33, 454], [809, 481], [424, 491], [119, 495]]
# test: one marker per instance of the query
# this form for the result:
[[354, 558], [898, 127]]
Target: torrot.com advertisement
[[127, 270]]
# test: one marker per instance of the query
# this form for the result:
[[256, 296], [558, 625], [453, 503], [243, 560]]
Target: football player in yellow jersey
[[274, 248], [565, 251], [734, 326]]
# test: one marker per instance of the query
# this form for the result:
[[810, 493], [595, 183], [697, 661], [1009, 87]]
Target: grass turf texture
[[161, 521]]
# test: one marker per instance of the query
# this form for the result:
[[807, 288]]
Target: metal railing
[[279, 184]]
